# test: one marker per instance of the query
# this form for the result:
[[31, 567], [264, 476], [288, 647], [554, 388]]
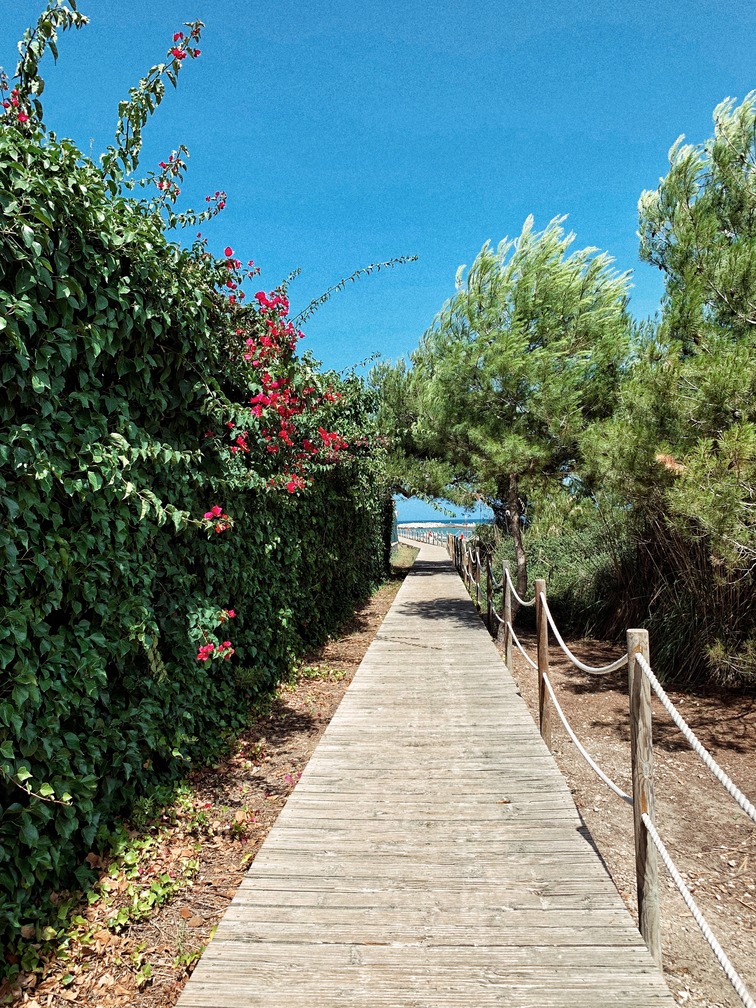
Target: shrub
[[169, 468]]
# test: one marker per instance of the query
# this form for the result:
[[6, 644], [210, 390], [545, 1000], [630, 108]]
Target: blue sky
[[346, 134]]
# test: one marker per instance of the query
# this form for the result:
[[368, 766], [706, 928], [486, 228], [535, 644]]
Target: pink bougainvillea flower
[[227, 251], [177, 36], [23, 117], [178, 54]]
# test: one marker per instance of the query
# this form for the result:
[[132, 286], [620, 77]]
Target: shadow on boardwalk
[[431, 854]]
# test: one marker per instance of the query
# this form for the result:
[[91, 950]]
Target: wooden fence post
[[489, 595], [642, 757], [506, 615], [542, 631]]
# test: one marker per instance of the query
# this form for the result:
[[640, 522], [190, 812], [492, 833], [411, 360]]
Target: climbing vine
[[170, 468]]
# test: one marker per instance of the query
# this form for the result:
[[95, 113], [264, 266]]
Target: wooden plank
[[431, 854]]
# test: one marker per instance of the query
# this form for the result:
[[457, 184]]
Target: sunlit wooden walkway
[[431, 854]]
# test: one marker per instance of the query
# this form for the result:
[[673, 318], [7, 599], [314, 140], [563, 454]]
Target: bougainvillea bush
[[185, 502]]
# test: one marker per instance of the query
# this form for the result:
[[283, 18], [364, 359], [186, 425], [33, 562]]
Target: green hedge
[[122, 365]]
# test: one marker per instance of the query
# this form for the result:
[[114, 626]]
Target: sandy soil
[[712, 842]]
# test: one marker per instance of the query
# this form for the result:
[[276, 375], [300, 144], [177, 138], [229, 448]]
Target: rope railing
[[521, 649], [729, 970], [590, 669], [515, 596], [691, 738], [641, 680], [581, 748]]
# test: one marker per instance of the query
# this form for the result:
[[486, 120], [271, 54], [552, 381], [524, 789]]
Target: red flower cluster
[[209, 650], [219, 198], [332, 441], [271, 301], [241, 443], [279, 335], [234, 265], [296, 483], [281, 417], [13, 102], [184, 48], [220, 521]]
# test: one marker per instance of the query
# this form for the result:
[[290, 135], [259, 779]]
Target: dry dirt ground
[[192, 856], [712, 842]]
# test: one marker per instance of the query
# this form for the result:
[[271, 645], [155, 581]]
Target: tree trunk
[[507, 511], [515, 528]]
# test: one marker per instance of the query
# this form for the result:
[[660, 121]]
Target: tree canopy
[[527, 352], [632, 445]]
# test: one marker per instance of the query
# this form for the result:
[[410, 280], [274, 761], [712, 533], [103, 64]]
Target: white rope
[[523, 652], [514, 591], [580, 748], [708, 760], [602, 670], [729, 970], [502, 621]]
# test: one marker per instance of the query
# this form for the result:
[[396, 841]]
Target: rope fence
[[582, 750], [704, 755], [477, 575], [590, 669]]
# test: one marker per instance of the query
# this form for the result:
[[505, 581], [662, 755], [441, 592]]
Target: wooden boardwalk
[[431, 854]]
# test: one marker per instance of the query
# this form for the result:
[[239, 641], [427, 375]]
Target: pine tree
[[527, 352]]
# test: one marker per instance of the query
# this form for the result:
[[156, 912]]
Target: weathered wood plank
[[431, 854]]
